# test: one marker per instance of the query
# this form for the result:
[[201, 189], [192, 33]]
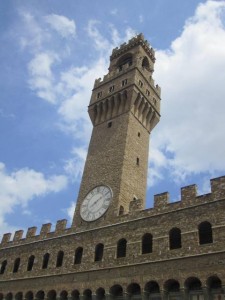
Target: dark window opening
[[3, 267], [124, 60], [152, 287], [172, 286], [64, 295], [147, 93], [140, 83], [29, 296], [100, 293], [145, 63], [45, 261], [75, 295], [121, 210], [205, 233], [147, 243], [109, 124], [9, 296], [59, 260], [139, 134], [16, 265], [124, 82], [30, 263], [40, 295], [99, 95], [137, 161], [134, 289], [111, 89], [51, 295], [99, 249], [87, 295], [121, 248], [78, 256], [175, 238], [116, 291], [19, 296], [193, 284]]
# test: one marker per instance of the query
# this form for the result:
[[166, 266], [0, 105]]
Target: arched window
[[147, 243], [78, 255], [9, 296], [175, 238], [121, 248], [172, 286], [124, 60], [145, 63], [51, 295], [134, 289], [59, 260], [19, 296], [205, 233], [87, 294], [30, 263], [214, 283], [99, 249], [3, 267], [64, 295], [29, 296], [100, 293], [152, 287], [121, 210], [75, 295], [193, 284], [45, 261], [40, 295], [116, 291], [16, 265]]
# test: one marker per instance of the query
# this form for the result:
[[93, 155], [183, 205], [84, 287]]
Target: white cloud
[[41, 76], [33, 35], [70, 211], [75, 165], [18, 188], [191, 74], [61, 24]]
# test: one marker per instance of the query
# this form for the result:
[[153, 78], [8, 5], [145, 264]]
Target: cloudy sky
[[50, 54]]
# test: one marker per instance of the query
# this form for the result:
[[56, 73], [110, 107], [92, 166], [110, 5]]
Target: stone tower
[[124, 108]]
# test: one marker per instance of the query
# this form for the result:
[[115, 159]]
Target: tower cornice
[[135, 41]]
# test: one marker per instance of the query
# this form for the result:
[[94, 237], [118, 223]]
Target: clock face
[[96, 203]]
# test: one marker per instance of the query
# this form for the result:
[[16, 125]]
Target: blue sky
[[52, 51]]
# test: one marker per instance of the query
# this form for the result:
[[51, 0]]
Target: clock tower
[[124, 108]]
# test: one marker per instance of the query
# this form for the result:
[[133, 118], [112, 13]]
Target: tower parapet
[[135, 41]]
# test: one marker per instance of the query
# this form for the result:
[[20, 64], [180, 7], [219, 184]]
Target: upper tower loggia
[[124, 108]]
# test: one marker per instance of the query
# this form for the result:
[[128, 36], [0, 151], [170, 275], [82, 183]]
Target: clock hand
[[95, 202]]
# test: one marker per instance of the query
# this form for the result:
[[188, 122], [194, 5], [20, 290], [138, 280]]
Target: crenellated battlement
[[31, 234], [135, 41], [189, 198]]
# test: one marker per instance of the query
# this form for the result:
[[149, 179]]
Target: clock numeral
[[97, 215], [90, 217], [83, 208], [102, 210]]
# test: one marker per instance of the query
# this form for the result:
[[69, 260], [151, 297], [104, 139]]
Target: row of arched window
[[175, 242], [192, 285]]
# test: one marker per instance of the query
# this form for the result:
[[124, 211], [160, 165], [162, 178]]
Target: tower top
[[135, 41]]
